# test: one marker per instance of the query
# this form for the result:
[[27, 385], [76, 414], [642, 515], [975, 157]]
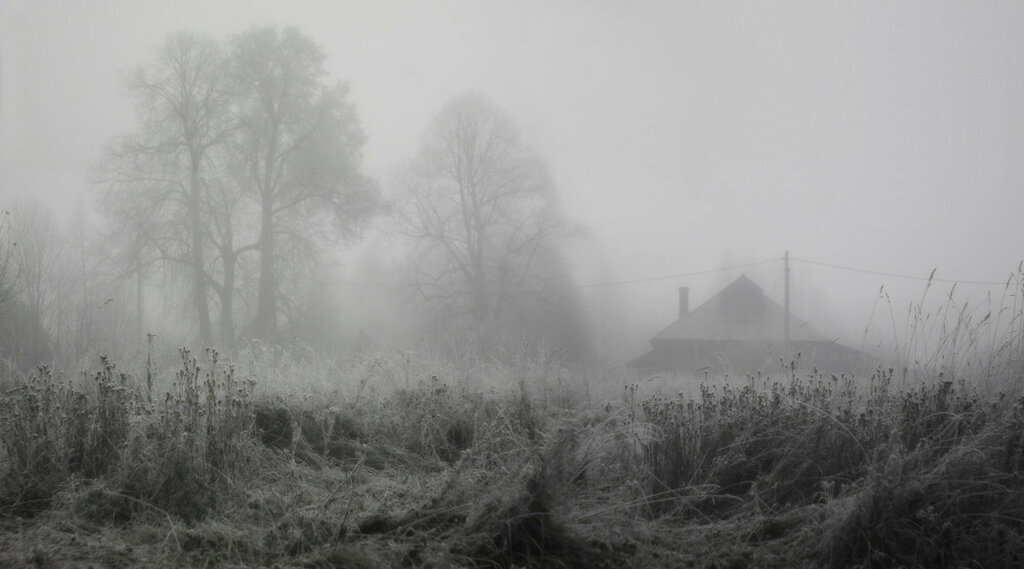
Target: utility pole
[[786, 320]]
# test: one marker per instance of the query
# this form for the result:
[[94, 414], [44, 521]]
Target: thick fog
[[679, 138]]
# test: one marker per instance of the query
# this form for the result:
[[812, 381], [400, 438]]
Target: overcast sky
[[684, 135]]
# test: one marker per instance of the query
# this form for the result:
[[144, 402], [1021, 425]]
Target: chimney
[[684, 300]]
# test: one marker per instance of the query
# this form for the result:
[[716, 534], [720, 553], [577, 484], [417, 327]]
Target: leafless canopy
[[481, 213]]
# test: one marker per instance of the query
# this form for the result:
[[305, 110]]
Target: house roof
[[739, 312]]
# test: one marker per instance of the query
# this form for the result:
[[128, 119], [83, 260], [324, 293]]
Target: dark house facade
[[740, 330]]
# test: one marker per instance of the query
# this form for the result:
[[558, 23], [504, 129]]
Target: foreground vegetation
[[213, 467]]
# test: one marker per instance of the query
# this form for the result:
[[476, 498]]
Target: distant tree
[[81, 265], [23, 339], [299, 147], [240, 148], [481, 213], [232, 236], [7, 245], [158, 180], [35, 260]]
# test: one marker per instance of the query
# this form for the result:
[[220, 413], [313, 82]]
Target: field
[[283, 458]]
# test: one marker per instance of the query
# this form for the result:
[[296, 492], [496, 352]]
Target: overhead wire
[[931, 278], [678, 276]]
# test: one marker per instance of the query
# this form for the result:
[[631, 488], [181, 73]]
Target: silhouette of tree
[[481, 212], [300, 146]]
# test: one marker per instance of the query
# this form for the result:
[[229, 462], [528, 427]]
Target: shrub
[[52, 431], [178, 456], [192, 447]]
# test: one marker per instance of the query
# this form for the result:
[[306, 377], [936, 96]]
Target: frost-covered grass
[[287, 458]]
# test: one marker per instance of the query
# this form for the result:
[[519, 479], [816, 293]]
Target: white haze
[[682, 136]]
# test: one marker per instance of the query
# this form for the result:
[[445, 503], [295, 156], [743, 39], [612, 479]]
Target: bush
[[52, 431], [177, 456], [190, 449]]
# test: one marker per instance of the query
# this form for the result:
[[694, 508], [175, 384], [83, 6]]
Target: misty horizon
[[679, 138]]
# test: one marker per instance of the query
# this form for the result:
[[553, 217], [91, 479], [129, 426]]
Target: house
[[740, 330]]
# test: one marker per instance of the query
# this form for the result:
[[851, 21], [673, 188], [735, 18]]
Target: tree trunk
[[265, 323], [227, 296], [198, 258]]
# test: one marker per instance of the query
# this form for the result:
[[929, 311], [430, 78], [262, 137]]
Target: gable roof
[[742, 312]]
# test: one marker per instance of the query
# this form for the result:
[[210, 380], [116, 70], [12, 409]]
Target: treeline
[[242, 178], [56, 293]]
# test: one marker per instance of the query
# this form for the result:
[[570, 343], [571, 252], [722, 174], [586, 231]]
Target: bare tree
[[35, 260], [481, 213], [76, 303], [300, 145], [157, 181], [237, 151]]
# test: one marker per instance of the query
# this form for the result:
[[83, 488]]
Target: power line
[[723, 269], [590, 285], [899, 276], [679, 276]]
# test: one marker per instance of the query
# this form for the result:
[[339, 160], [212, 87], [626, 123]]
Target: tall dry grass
[[301, 458], [177, 455]]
